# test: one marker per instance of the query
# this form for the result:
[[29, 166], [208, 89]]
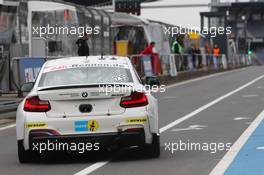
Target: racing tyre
[[24, 156], [153, 150]]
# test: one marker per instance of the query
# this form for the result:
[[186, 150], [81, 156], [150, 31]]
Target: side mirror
[[153, 80], [27, 87]]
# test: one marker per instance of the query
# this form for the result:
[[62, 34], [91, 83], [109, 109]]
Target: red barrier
[[156, 64]]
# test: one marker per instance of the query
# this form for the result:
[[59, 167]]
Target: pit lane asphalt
[[218, 121]]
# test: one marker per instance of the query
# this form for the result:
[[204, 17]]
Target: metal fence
[[156, 65], [172, 64]]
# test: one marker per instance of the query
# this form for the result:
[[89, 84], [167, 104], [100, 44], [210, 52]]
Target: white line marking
[[191, 127], [250, 95], [241, 118], [98, 165], [203, 78], [92, 168], [260, 148], [228, 158], [7, 127]]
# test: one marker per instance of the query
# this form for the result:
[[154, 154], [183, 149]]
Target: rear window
[[80, 75]]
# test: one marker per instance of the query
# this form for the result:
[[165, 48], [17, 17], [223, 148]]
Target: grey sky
[[179, 16]]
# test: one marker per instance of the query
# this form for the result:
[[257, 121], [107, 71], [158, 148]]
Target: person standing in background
[[176, 47], [198, 56], [194, 56], [149, 49], [177, 50], [207, 52], [216, 52], [83, 47], [189, 52]]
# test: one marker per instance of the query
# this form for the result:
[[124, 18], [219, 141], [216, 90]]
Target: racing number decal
[[92, 125]]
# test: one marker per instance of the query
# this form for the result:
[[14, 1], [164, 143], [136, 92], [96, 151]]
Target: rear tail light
[[136, 99], [34, 104]]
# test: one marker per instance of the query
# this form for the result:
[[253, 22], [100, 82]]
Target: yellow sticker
[[136, 120], [36, 125], [92, 125]]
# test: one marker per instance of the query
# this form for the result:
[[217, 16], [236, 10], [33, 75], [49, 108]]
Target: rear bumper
[[102, 140], [115, 125]]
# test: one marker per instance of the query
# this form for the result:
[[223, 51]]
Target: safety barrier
[[26, 69], [172, 64]]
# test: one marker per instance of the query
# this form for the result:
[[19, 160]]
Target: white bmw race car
[[90, 103]]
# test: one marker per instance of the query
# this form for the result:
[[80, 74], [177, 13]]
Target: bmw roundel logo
[[84, 94]]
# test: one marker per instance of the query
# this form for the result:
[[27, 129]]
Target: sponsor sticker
[[136, 120], [36, 125], [84, 65], [80, 126], [93, 125], [85, 125]]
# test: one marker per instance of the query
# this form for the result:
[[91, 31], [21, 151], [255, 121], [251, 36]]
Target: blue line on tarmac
[[250, 159]]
